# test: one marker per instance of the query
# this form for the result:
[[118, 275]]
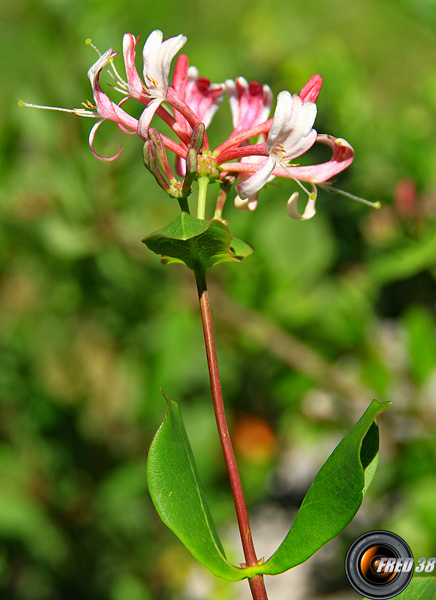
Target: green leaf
[[197, 243], [240, 248], [179, 498], [335, 495], [420, 588]]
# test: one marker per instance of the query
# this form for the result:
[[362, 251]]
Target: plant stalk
[[256, 583], [203, 182]]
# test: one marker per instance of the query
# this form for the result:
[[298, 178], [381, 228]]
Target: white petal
[[192, 73], [167, 52], [147, 116], [232, 92], [300, 136], [150, 56], [157, 56], [255, 182], [98, 66], [292, 208], [300, 145], [291, 133], [282, 115], [246, 204], [151, 48]]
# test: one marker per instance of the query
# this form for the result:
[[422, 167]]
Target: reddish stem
[[256, 583], [241, 152], [242, 136]]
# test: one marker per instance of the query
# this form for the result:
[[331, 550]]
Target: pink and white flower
[[256, 151], [157, 56], [105, 108], [250, 103], [291, 135]]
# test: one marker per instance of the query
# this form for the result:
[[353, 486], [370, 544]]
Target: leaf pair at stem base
[[330, 504]]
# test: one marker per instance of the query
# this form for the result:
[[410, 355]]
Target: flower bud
[[150, 162], [197, 137], [160, 153], [191, 169]]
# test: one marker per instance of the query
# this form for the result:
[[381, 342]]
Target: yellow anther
[[152, 80]]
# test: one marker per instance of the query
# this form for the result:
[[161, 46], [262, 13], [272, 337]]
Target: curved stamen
[[81, 112]]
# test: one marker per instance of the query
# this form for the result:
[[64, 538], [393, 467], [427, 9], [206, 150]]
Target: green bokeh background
[[325, 316]]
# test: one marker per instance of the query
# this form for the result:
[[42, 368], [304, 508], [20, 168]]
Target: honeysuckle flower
[[250, 103], [291, 135], [157, 61], [157, 56], [257, 150], [250, 203], [199, 94], [105, 108], [202, 96]]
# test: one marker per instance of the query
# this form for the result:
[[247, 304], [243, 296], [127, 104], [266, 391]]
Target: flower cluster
[[258, 149]]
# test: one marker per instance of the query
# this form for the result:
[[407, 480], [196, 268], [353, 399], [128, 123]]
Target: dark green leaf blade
[[197, 243], [179, 498], [335, 495], [420, 588]]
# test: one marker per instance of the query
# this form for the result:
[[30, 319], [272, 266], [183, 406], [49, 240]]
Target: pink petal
[[310, 92], [203, 97], [180, 76], [129, 51], [105, 107], [91, 144], [250, 103], [111, 111], [342, 157]]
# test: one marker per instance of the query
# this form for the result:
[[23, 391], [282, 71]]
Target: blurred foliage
[[331, 313]]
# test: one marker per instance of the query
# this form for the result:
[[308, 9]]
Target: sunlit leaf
[[179, 498], [197, 243], [335, 495]]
